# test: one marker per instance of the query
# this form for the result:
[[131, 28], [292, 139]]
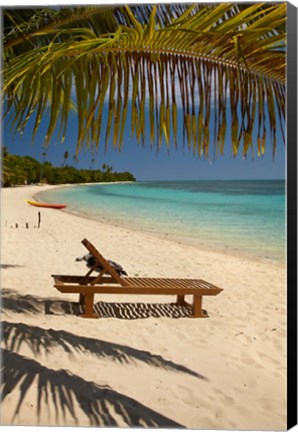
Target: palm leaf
[[169, 54]]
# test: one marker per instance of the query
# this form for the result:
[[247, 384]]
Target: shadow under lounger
[[110, 282]]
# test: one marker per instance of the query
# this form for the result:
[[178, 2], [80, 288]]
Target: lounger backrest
[[109, 269]]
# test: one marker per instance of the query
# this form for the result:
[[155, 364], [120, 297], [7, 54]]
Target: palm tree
[[92, 163], [109, 169], [41, 172], [65, 156], [7, 172], [75, 160], [44, 155], [219, 67]]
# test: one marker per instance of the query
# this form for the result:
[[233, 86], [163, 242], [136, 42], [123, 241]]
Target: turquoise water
[[245, 217]]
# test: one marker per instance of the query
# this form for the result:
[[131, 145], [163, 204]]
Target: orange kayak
[[46, 205]]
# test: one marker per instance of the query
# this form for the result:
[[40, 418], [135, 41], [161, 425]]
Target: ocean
[[238, 217]]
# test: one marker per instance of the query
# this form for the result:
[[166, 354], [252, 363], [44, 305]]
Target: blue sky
[[145, 163]]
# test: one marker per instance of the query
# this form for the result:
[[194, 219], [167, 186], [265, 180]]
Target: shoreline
[[227, 371], [171, 237]]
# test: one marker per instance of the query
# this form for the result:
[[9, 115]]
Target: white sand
[[227, 371]]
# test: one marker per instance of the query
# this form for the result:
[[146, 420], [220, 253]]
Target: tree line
[[22, 170]]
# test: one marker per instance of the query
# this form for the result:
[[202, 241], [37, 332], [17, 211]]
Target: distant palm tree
[[222, 63], [65, 156], [92, 163], [107, 168], [5, 152], [75, 160], [44, 155], [7, 172]]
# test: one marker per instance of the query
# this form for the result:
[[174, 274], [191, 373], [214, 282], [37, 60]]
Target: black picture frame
[[292, 215]]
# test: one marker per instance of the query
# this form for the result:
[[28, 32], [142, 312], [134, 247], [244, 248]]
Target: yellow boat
[[46, 205]]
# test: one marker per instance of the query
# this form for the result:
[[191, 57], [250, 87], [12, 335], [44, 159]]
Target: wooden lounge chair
[[108, 281]]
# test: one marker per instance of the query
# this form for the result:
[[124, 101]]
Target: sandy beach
[[227, 371]]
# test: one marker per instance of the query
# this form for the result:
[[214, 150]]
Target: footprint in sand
[[247, 361], [185, 395], [227, 400]]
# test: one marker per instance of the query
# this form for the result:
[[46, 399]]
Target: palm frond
[[216, 64]]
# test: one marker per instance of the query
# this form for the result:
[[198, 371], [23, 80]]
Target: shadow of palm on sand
[[60, 391], [69, 395], [40, 340], [7, 266], [13, 301]]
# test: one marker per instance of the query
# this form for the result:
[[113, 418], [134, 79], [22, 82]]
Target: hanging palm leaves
[[216, 65]]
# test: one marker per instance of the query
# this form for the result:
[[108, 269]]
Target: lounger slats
[[135, 286], [150, 290], [171, 283], [142, 282], [152, 283]]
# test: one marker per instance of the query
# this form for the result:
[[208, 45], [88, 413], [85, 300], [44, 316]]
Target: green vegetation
[[223, 63], [20, 170]]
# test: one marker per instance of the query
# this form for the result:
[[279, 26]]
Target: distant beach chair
[[108, 281]]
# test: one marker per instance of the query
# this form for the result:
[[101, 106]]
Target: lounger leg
[[180, 300], [89, 302], [82, 299], [197, 307]]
